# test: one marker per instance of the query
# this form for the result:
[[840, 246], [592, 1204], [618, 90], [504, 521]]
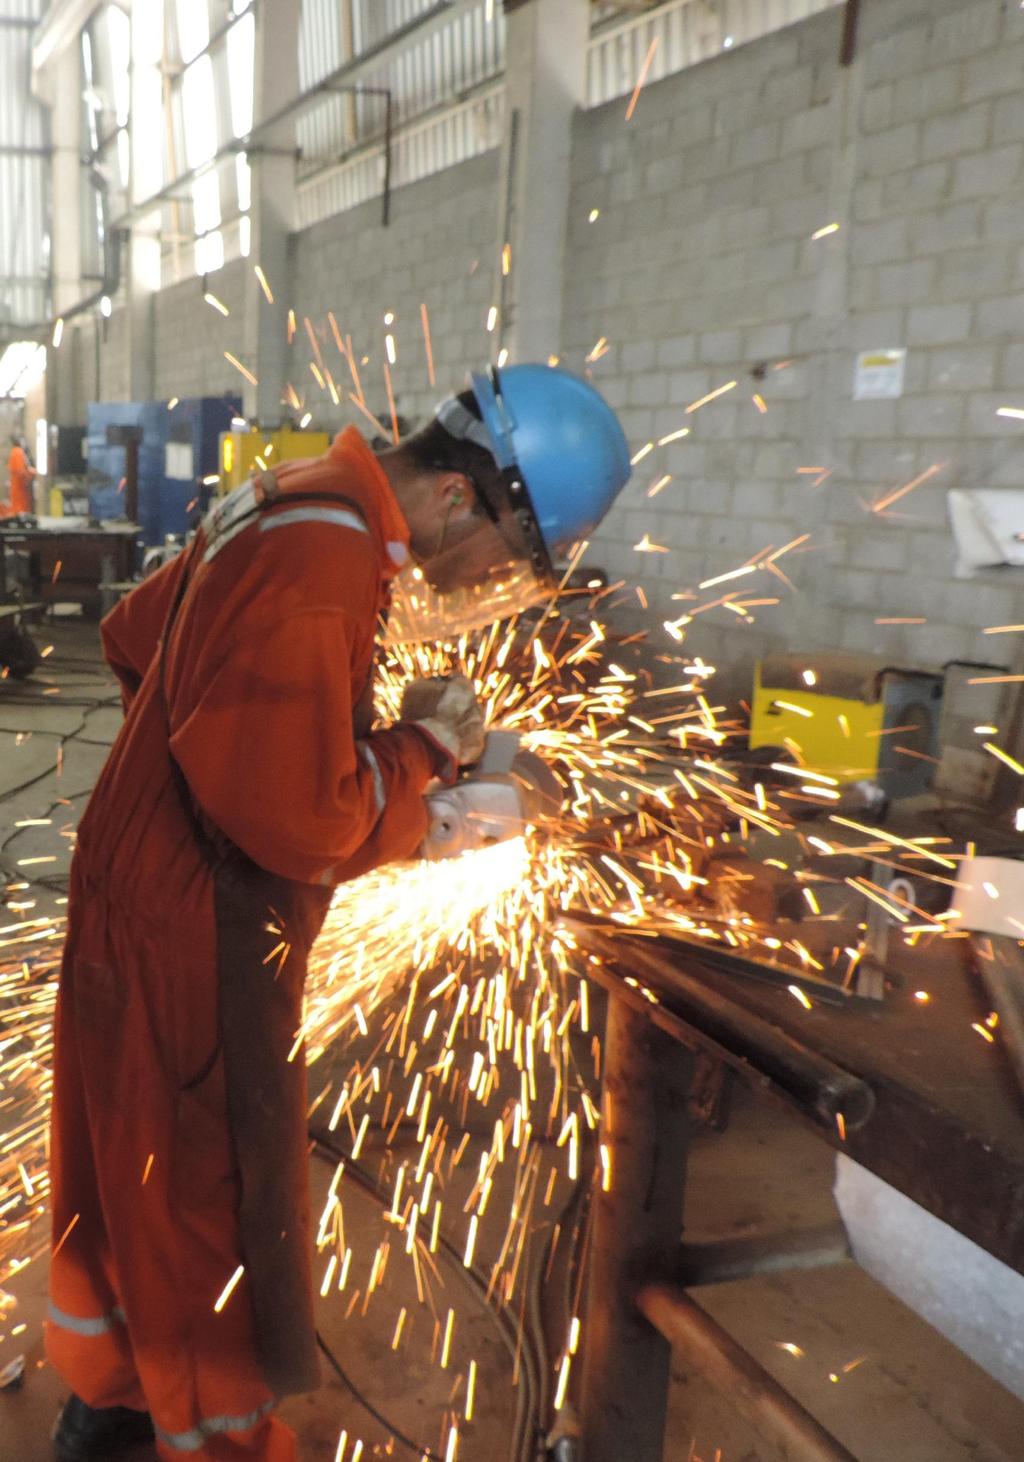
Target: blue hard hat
[[558, 435]]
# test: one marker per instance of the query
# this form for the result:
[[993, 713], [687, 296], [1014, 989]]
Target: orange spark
[[899, 492], [641, 79], [428, 348], [243, 370], [711, 396]]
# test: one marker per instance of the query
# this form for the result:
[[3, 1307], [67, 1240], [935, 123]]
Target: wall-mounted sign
[[879, 375]]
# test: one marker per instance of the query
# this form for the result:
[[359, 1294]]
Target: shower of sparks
[[446, 1000], [264, 285], [215, 303], [454, 973], [822, 233]]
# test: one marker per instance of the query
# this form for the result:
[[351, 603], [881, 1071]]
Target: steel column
[[637, 1225]]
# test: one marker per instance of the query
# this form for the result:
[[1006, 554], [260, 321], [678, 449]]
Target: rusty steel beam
[[726, 1259], [696, 1013], [703, 1346], [637, 1220]]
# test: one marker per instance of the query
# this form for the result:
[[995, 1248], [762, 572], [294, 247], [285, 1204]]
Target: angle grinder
[[509, 789]]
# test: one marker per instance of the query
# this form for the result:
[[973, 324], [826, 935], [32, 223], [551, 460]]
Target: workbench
[[944, 1129], [71, 562]]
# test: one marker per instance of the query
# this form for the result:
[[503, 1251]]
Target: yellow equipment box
[[852, 718], [244, 452]]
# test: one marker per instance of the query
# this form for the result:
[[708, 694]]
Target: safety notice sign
[[879, 375]]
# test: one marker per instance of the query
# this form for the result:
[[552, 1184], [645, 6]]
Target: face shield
[[488, 566]]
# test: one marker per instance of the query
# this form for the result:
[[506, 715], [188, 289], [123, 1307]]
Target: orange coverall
[[244, 784], [20, 476]]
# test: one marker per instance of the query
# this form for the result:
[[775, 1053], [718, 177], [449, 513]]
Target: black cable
[[389, 1426], [326, 1148]]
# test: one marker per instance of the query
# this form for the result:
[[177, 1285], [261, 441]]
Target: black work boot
[[89, 1434]]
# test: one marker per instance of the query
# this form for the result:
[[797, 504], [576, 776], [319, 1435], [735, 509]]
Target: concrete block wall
[[700, 269], [188, 338], [191, 336], [440, 249]]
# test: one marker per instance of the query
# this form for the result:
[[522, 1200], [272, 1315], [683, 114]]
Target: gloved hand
[[447, 711]]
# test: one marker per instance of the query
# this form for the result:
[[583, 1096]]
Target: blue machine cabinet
[[177, 449], [191, 453]]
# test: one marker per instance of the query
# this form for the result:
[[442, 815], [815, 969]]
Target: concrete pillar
[[275, 82], [65, 227], [142, 258], [545, 81]]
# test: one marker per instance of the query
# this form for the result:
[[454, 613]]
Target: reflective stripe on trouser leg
[[212, 1426]]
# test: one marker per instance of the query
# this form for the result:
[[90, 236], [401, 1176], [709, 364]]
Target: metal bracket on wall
[[389, 112], [848, 46]]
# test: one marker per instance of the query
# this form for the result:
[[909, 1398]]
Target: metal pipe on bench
[[818, 1086], [703, 1346]]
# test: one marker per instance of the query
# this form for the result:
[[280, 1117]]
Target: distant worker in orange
[[249, 778], [20, 473]]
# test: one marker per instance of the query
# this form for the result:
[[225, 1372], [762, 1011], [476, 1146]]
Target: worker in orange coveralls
[[20, 473], [247, 780]]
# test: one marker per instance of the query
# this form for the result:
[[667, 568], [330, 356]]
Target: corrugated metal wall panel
[[24, 179], [687, 32], [422, 148], [425, 75]]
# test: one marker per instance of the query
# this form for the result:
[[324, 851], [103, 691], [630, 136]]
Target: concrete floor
[[910, 1398]]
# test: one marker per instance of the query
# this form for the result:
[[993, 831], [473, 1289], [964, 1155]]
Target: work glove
[[447, 712]]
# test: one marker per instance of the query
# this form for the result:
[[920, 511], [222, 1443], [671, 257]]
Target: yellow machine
[[244, 452], [852, 717]]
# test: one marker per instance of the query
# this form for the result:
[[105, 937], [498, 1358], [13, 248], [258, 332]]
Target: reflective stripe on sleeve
[[94, 1325], [210, 1426], [371, 761], [339, 516]]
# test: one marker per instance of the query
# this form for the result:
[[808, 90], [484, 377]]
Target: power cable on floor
[[327, 1148], [389, 1426]]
